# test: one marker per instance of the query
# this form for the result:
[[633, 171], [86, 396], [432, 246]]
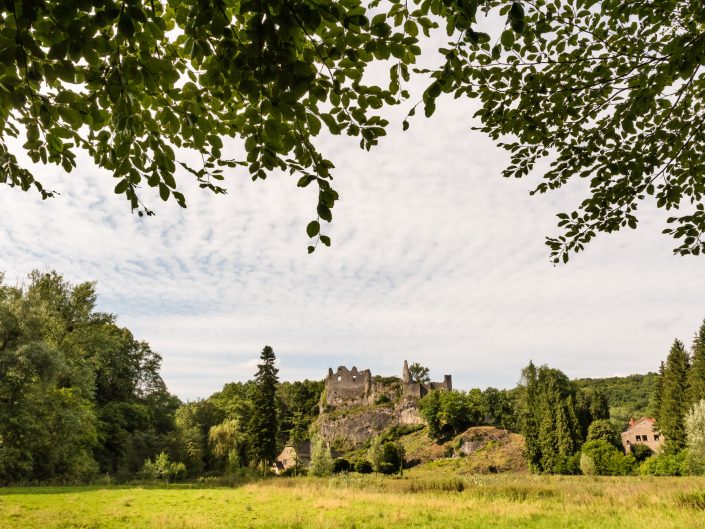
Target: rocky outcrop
[[352, 429]]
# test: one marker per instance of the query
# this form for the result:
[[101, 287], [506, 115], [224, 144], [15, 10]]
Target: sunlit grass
[[370, 502]]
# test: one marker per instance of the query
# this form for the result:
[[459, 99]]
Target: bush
[[363, 466], [666, 465], [382, 399], [392, 458], [641, 452], [162, 468], [388, 468], [601, 458], [341, 465], [567, 465]]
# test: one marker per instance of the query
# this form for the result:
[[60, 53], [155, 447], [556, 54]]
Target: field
[[347, 502]]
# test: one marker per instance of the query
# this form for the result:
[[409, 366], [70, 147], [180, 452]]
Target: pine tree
[[674, 402], [264, 424], [547, 410], [696, 375], [655, 406], [528, 415]]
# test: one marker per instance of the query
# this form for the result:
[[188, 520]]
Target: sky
[[435, 259]]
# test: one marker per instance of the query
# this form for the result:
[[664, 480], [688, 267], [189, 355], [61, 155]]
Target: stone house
[[288, 457], [642, 432]]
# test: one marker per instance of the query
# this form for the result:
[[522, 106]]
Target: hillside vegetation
[[628, 397], [478, 450]]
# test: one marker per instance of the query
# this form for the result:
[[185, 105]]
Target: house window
[[638, 438], [656, 438], [644, 437]]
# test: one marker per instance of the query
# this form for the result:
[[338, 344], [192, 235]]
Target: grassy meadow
[[413, 501]]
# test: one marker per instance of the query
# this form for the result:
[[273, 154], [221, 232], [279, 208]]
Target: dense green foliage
[[611, 91], [78, 394], [451, 412], [628, 397], [321, 460], [601, 458], [554, 417], [604, 430], [386, 457], [129, 82]]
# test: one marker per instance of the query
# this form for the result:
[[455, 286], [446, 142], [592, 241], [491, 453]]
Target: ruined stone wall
[[347, 387]]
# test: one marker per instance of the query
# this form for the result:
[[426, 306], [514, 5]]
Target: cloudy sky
[[435, 259]]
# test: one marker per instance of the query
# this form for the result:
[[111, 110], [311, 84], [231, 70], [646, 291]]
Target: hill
[[478, 450], [628, 396]]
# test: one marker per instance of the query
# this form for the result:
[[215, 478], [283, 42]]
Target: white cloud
[[435, 259]]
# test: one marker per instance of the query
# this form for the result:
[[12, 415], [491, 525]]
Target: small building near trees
[[642, 431]]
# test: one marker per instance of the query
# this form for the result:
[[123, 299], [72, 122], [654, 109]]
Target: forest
[[82, 399]]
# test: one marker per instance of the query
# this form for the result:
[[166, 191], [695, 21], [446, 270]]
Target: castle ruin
[[345, 388]]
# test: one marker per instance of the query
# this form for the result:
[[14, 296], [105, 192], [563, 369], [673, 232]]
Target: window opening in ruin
[[339, 378], [354, 378]]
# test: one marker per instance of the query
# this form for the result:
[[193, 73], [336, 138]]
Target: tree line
[[81, 397]]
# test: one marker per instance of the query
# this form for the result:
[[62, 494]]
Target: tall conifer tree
[[264, 424], [696, 375], [551, 429], [674, 397]]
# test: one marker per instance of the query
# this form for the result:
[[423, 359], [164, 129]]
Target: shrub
[[341, 465], [601, 458], [382, 399], [388, 468], [392, 458], [665, 465], [641, 452], [363, 466], [162, 468]]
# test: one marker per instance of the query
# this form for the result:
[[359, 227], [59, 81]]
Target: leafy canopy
[[611, 91]]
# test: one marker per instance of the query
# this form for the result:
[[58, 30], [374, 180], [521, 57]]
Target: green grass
[[426, 500]]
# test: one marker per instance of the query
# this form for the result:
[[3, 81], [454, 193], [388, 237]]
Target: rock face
[[348, 431]]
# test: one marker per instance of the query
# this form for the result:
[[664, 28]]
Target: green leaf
[[121, 187], [507, 38], [313, 228]]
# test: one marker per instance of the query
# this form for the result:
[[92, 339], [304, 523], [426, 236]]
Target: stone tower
[[406, 374]]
